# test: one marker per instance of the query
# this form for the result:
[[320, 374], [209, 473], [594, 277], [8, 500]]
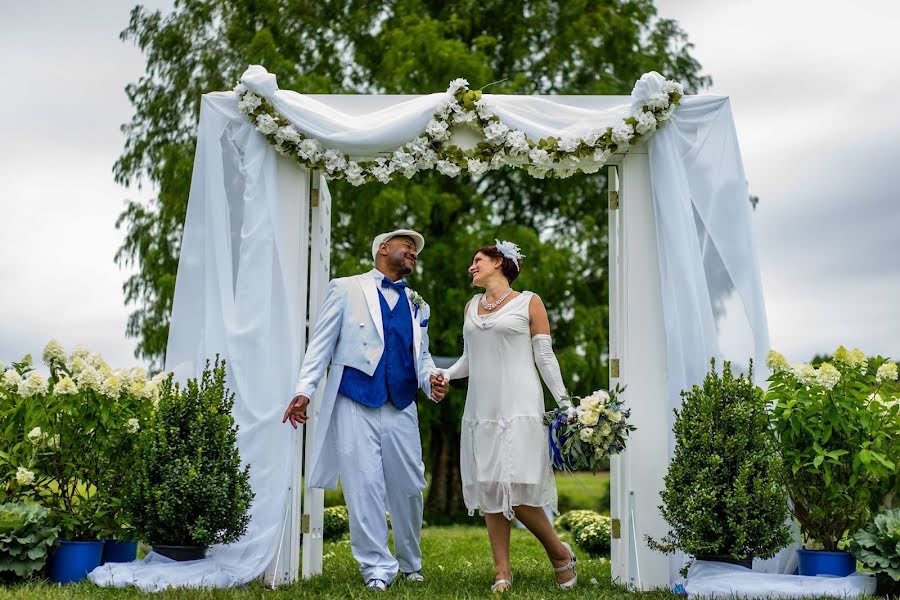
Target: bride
[[505, 463]]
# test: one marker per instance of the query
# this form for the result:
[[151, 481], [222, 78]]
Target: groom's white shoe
[[376, 585], [415, 576]]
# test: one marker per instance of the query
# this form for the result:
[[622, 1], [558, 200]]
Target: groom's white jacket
[[350, 333]]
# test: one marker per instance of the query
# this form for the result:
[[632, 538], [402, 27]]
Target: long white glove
[[459, 369], [548, 366]]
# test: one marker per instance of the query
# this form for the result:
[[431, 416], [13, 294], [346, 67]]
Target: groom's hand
[[439, 387], [296, 411]]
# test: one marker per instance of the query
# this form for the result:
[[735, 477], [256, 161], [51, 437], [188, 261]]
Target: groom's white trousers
[[381, 469]]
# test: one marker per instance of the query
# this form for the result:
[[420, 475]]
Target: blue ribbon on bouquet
[[557, 438]]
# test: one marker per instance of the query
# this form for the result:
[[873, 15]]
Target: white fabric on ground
[[720, 580]]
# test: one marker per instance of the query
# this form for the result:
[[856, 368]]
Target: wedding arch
[[684, 278]]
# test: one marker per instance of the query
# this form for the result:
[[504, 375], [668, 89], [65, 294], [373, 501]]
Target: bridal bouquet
[[592, 429]]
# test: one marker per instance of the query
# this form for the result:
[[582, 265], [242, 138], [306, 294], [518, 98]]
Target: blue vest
[[395, 377]]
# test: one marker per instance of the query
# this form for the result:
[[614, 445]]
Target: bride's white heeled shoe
[[569, 565]]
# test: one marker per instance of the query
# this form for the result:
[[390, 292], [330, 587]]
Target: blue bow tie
[[399, 285]]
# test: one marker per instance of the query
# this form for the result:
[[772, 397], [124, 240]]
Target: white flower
[[448, 106], [601, 156], [35, 385], [53, 442], [80, 352], [827, 376], [419, 146], [496, 132], [804, 373], [88, 378], [645, 88], [585, 434], [475, 166], [309, 149], [456, 84], [591, 168], [111, 387], [484, 109], [382, 170], [614, 416], [404, 162], [666, 114], [448, 168], [498, 160], [622, 134], [567, 144], [355, 174], [594, 581], [605, 429], [565, 173], [777, 362], [593, 137], [53, 353], [288, 134], [24, 476], [589, 417], [35, 435], [659, 100], [96, 361], [438, 130], [12, 379], [673, 86], [646, 123], [266, 124], [886, 372], [133, 426], [537, 172], [334, 161], [249, 102], [517, 142], [240, 88], [463, 117], [539, 157]]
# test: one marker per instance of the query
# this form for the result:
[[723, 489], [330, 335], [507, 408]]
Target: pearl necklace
[[492, 305]]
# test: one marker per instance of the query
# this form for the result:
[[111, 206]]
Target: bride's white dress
[[504, 454]]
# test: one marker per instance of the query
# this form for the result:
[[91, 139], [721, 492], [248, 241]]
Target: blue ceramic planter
[[72, 561], [115, 551], [826, 564]]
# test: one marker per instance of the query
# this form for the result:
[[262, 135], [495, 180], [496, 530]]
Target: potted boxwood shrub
[[877, 546], [186, 489], [723, 497], [839, 439]]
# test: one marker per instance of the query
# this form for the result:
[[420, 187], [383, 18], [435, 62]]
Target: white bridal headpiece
[[510, 251]]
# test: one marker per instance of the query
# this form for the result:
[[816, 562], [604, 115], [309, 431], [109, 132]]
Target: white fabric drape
[[231, 294], [232, 298]]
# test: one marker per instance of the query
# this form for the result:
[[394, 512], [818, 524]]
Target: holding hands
[[440, 385]]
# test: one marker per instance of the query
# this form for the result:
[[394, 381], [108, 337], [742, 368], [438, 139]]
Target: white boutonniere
[[418, 302]]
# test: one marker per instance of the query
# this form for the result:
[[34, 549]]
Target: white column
[[320, 259], [293, 199], [638, 341]]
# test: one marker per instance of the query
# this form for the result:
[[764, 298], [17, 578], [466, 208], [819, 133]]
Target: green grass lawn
[[457, 565]]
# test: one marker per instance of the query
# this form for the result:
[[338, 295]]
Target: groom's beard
[[403, 268]]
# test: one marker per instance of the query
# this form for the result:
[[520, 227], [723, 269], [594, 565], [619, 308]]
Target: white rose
[[448, 168], [589, 418], [586, 434], [605, 430], [622, 134], [133, 426], [646, 123], [35, 435], [24, 476], [496, 132], [438, 130], [614, 416], [53, 353], [475, 166], [590, 401]]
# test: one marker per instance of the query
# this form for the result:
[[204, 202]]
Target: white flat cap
[[381, 238]]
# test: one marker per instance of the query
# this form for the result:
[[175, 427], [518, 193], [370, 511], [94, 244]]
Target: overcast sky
[[814, 87]]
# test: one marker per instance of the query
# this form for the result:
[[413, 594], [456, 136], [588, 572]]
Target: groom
[[373, 332]]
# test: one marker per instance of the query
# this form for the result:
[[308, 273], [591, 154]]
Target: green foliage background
[[409, 47]]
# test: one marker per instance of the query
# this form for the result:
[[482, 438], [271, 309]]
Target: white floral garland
[[655, 101]]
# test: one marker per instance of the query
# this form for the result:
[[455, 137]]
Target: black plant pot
[[180, 553], [886, 586], [747, 563]]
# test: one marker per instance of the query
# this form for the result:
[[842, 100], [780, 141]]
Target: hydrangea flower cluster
[[654, 100]]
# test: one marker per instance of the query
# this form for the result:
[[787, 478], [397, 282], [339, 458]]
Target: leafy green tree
[[412, 47]]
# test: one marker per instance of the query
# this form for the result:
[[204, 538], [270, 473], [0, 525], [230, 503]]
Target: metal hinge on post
[[304, 523], [614, 367], [314, 197], [613, 200], [616, 529], [314, 189]]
